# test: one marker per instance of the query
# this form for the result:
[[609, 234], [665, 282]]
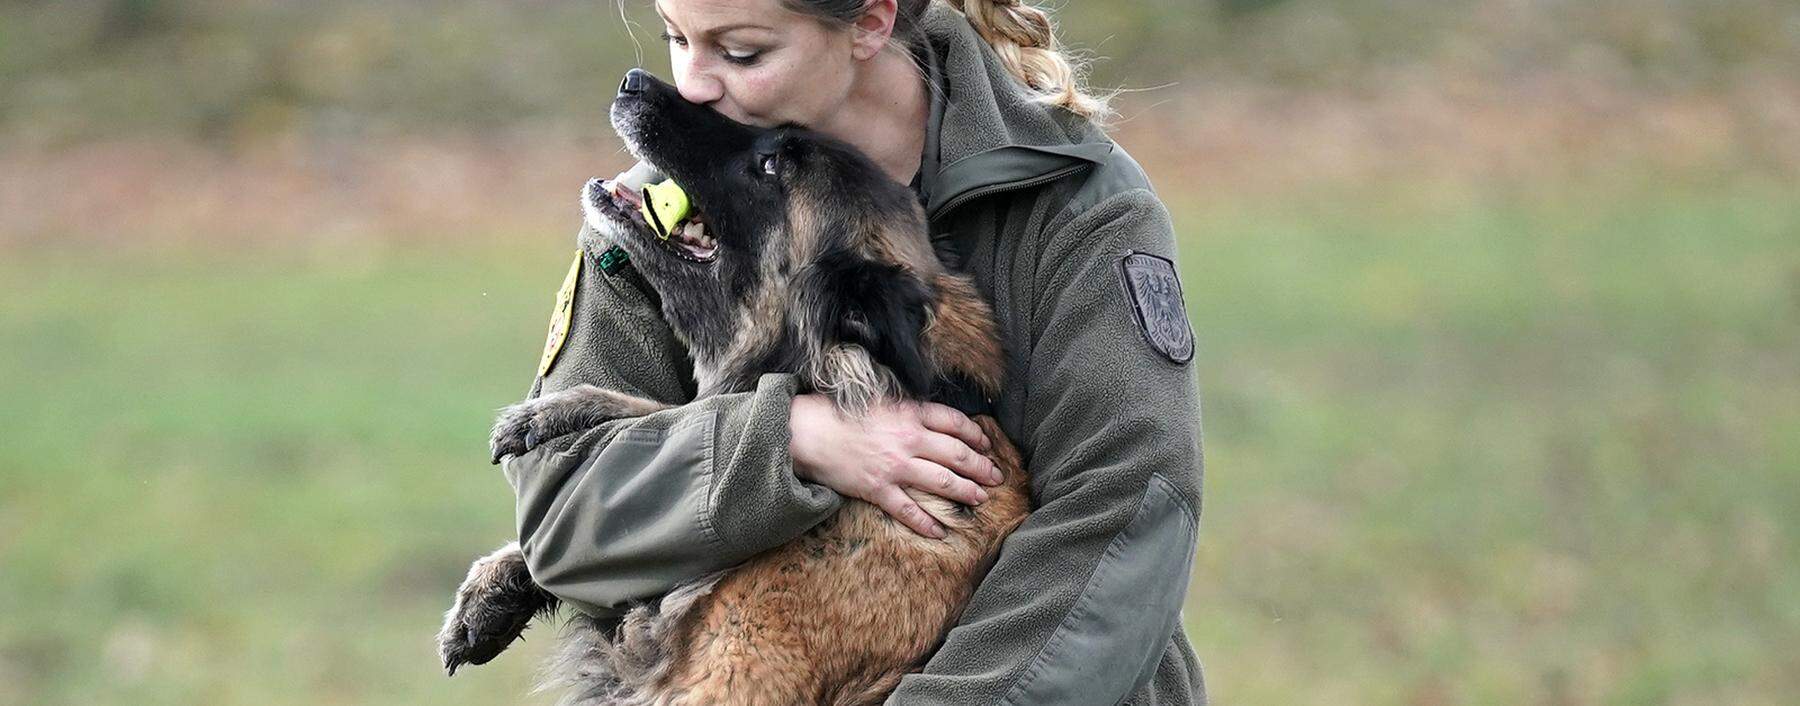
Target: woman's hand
[[928, 447]]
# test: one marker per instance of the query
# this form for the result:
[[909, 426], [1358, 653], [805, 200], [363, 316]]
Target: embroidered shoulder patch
[[559, 319], [1155, 293]]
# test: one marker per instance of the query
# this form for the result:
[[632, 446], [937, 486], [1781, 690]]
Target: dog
[[811, 261]]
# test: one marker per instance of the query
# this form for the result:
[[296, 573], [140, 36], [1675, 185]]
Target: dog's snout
[[634, 82]]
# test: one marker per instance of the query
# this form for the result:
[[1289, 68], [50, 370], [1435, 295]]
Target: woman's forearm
[[635, 507]]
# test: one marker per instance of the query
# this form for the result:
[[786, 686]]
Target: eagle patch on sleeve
[[1155, 293]]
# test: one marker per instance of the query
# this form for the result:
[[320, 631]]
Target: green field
[[1496, 447]]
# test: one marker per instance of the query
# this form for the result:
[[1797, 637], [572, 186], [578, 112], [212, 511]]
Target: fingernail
[[938, 532], [980, 496]]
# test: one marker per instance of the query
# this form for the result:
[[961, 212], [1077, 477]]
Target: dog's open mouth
[[688, 238]]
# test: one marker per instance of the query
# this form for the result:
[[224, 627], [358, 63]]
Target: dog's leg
[[529, 423], [493, 605]]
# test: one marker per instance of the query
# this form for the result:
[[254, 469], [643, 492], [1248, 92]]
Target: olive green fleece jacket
[[1082, 605]]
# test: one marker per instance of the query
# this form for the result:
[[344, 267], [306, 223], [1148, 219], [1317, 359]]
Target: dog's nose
[[634, 82]]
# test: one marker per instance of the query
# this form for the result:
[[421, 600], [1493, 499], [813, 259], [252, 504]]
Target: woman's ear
[[872, 30]]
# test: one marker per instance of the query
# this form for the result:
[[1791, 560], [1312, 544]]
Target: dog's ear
[[863, 322]]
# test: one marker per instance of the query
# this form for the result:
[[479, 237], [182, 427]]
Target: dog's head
[[808, 258]]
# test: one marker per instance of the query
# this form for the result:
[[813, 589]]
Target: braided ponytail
[[1022, 36], [1025, 40]]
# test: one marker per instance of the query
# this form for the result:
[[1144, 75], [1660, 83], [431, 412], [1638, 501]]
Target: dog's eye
[[768, 164]]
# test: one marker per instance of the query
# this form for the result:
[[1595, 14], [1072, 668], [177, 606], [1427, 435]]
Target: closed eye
[[742, 57]]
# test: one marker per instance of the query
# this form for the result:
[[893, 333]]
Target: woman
[[973, 105]]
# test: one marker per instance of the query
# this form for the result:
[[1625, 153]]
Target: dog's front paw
[[518, 429], [527, 424], [493, 606]]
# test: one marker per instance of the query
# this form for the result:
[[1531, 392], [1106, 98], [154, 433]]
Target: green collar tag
[[613, 260]]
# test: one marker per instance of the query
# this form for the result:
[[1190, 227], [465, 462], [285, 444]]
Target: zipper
[[992, 189]]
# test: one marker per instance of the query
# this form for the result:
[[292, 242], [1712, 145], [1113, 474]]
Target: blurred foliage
[[1533, 449], [218, 69]]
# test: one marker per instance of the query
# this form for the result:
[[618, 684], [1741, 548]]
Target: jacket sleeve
[[1084, 597], [629, 509]]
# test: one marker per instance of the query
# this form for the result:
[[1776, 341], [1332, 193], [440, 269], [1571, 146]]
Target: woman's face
[[756, 61]]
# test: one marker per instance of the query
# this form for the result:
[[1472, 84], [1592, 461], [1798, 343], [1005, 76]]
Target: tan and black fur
[[823, 270]]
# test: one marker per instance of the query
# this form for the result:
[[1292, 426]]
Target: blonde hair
[[1021, 35], [1025, 39]]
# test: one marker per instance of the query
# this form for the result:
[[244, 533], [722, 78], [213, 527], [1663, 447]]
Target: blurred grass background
[[1498, 304]]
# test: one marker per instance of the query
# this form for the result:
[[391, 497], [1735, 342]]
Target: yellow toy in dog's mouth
[[667, 211], [665, 205]]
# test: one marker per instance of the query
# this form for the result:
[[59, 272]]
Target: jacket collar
[[986, 133]]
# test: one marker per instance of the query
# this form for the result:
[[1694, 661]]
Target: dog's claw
[[494, 604], [472, 645], [512, 433], [502, 449]]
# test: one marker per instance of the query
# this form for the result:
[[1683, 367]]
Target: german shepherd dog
[[814, 263]]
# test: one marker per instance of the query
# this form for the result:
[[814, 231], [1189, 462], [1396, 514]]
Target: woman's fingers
[[896, 503], [950, 452], [938, 480], [944, 419], [930, 448]]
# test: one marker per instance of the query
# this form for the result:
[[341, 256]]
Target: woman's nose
[[696, 84]]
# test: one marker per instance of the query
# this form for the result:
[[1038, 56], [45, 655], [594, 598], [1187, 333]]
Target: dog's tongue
[[639, 175], [625, 194]]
